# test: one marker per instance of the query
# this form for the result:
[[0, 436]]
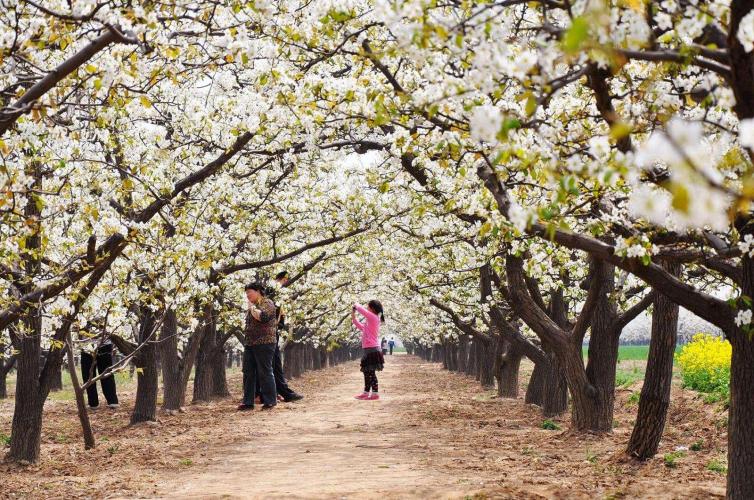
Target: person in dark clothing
[[95, 363], [281, 385], [260, 335]]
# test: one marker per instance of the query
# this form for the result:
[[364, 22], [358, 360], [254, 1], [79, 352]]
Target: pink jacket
[[370, 329]]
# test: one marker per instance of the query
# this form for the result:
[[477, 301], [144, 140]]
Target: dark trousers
[[370, 381], [89, 369], [391, 347], [281, 385], [257, 365]]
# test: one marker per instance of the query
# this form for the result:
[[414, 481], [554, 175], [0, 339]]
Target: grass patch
[[624, 378], [633, 399], [717, 465], [549, 425], [670, 458], [4, 440], [186, 462]]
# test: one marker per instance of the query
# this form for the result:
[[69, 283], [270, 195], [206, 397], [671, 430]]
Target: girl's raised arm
[[366, 312], [361, 326]]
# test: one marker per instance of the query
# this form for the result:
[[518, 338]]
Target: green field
[[630, 352], [631, 363]]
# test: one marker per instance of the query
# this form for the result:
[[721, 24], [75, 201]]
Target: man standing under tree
[[281, 384], [391, 344]]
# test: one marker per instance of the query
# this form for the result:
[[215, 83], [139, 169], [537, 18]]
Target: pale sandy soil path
[[330, 446]]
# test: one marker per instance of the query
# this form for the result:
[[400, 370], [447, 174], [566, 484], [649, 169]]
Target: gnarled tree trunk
[[655, 393], [26, 434], [507, 371], [204, 383], [741, 411], [145, 406]]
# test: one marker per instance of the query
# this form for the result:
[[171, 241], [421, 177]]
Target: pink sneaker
[[363, 396], [373, 396]]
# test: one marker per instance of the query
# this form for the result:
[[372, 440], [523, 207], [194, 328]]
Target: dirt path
[[329, 445], [435, 434]]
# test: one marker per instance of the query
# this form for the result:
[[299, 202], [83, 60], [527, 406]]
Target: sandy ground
[[434, 434], [330, 446]]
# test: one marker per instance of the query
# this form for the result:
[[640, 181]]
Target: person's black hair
[[376, 306], [258, 286], [281, 275]]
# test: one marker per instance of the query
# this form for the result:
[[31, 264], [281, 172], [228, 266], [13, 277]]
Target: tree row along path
[[433, 435]]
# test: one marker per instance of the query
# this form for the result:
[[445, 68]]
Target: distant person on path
[[281, 385], [391, 343], [97, 361], [372, 361], [383, 346], [260, 335]]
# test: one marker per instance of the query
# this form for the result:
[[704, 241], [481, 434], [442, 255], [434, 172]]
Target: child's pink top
[[370, 330]]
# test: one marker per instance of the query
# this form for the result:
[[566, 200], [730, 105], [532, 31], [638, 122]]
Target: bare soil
[[434, 434]]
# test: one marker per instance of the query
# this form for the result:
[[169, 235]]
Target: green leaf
[[681, 197], [531, 105], [576, 35]]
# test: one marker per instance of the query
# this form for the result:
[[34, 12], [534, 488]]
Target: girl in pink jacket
[[372, 360]]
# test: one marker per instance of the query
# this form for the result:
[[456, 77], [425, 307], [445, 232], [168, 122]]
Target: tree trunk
[[554, 387], [593, 397], [487, 365], [204, 383], [173, 391], [86, 426], [219, 377], [26, 430], [655, 393], [507, 379], [5, 369], [56, 384], [288, 359], [535, 389], [741, 411], [3, 384], [547, 386], [26, 337], [145, 407], [463, 353]]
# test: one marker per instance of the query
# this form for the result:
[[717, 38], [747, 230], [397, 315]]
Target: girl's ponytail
[[376, 306]]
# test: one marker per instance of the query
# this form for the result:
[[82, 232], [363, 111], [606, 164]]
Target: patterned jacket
[[263, 331]]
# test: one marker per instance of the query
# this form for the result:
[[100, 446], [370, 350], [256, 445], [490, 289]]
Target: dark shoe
[[243, 407], [268, 407], [293, 397]]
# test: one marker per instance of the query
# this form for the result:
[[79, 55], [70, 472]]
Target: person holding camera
[[372, 361], [260, 338]]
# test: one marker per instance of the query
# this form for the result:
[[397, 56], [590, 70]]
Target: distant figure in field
[[372, 361], [391, 343], [383, 346]]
